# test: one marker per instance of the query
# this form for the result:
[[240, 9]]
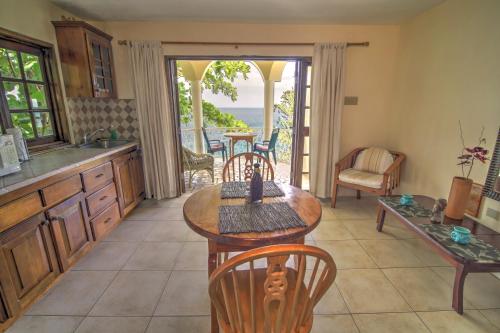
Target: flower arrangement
[[470, 154]]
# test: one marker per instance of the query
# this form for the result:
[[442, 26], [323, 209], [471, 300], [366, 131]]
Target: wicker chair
[[348, 174], [194, 162]]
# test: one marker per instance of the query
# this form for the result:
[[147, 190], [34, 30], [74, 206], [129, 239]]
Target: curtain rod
[[236, 44]]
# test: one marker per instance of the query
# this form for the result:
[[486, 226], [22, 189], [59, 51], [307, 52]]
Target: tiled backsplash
[[89, 114]]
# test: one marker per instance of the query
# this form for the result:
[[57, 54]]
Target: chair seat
[[362, 178], [262, 147], [244, 294], [216, 145]]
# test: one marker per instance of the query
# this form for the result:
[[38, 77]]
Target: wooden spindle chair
[[276, 299], [239, 168]]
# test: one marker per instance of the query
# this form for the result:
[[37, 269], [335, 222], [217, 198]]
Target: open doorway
[[221, 100]]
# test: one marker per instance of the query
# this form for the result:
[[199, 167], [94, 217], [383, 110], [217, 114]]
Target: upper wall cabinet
[[86, 59]]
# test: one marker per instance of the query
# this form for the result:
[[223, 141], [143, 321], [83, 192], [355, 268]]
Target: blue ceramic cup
[[406, 199], [460, 235]]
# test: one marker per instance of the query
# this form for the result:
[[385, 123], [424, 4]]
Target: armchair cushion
[[260, 146], [216, 145], [363, 178], [373, 160]]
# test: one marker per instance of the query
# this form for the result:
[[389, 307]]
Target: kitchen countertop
[[44, 165]]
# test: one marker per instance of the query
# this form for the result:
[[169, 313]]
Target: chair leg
[[274, 156], [334, 194], [267, 155], [358, 194]]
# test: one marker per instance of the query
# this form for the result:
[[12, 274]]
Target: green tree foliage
[[218, 78], [285, 111]]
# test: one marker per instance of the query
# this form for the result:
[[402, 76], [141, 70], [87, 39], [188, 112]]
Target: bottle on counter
[[256, 185], [113, 133]]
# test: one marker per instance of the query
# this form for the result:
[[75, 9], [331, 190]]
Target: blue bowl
[[406, 199]]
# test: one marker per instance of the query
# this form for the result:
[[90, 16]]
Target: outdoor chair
[[239, 168], [214, 146], [372, 170], [280, 297], [194, 162], [268, 146]]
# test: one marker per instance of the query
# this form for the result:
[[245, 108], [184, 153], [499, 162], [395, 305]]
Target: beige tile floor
[[150, 275]]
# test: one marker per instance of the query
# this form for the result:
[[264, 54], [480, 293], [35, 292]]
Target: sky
[[251, 91]]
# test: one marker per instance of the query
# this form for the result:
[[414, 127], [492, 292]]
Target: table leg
[[212, 265], [380, 218], [458, 289]]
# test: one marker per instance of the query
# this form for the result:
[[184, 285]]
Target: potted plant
[[461, 186]]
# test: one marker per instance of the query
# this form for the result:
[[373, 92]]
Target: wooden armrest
[[397, 162], [348, 160]]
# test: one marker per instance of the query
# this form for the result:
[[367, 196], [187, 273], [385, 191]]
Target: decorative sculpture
[[437, 210]]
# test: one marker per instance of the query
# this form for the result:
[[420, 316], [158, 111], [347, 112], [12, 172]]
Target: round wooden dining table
[[201, 213], [234, 137]]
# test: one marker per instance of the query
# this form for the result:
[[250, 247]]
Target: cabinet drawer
[[105, 221], [95, 178], [101, 199], [19, 210], [62, 190]]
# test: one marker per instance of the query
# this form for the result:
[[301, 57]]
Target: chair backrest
[[239, 168], [274, 138], [374, 160], [207, 140], [276, 299]]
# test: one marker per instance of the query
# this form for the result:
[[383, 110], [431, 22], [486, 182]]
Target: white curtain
[[328, 76], [156, 119]]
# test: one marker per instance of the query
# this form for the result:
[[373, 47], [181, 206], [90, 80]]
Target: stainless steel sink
[[104, 144]]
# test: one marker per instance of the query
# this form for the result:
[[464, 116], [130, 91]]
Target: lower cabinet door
[[138, 175], [70, 226], [123, 170], [28, 264], [3, 310]]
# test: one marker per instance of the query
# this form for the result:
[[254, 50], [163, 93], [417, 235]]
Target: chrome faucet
[[87, 136]]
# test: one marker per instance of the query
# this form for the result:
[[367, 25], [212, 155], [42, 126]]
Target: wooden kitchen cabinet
[[28, 263], [70, 226], [3, 309], [86, 59], [129, 177]]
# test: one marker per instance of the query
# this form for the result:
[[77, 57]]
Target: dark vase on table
[[256, 185]]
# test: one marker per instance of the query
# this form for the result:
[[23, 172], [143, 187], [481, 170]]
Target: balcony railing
[[283, 145]]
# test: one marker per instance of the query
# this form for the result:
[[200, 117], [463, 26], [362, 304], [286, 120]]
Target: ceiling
[[276, 11]]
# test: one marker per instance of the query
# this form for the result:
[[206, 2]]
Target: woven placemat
[[413, 210], [258, 218], [232, 190], [477, 249]]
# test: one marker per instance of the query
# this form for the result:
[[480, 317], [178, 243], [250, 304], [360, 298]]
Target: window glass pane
[[100, 82], [306, 145], [308, 97], [305, 164], [99, 71], [109, 85], [37, 95], [9, 64], [22, 120], [31, 65], [105, 55], [96, 52], [307, 117], [43, 124], [15, 94]]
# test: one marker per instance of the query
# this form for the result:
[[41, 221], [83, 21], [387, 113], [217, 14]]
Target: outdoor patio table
[[234, 137], [480, 255], [201, 212]]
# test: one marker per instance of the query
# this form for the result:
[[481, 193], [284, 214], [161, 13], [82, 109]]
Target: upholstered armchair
[[194, 162], [372, 170]]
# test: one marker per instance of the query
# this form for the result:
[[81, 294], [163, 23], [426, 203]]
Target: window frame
[[53, 93]]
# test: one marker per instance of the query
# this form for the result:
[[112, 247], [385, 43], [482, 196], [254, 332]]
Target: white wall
[[448, 70]]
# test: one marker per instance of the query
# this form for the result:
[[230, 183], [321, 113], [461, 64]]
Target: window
[[25, 96]]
